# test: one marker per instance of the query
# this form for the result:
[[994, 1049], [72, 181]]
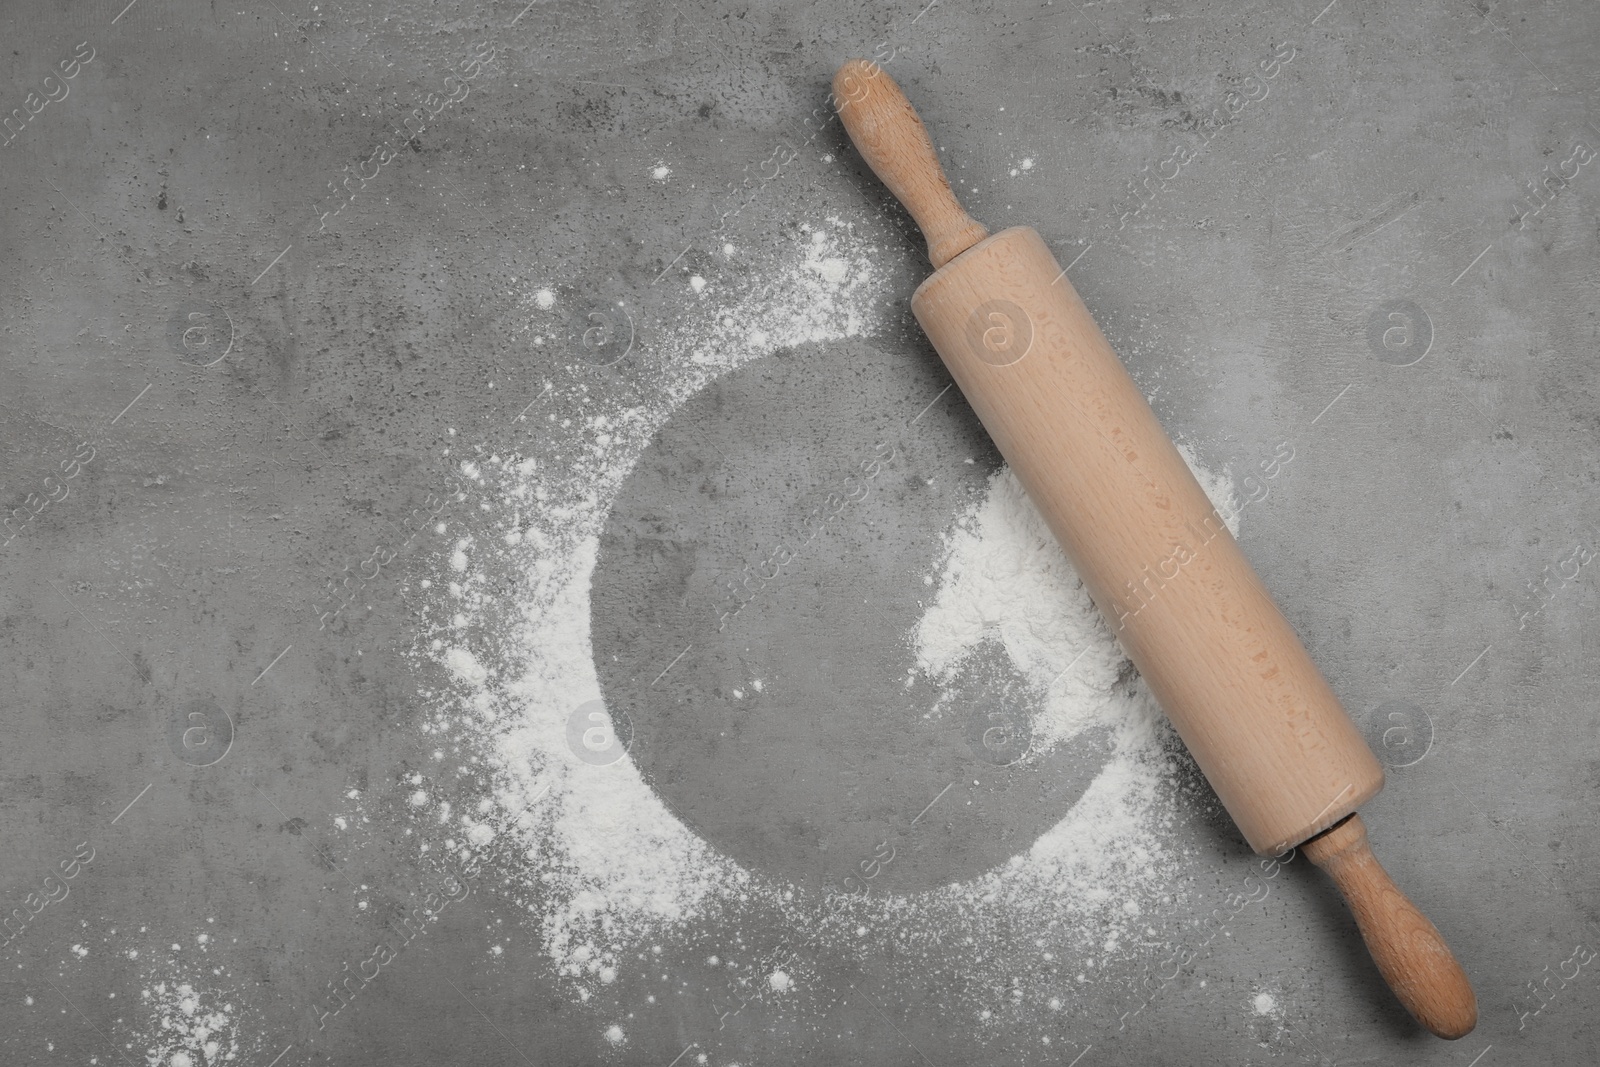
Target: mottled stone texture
[[1364, 235]]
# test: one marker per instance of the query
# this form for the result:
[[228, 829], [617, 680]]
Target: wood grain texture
[[1411, 955], [885, 127]]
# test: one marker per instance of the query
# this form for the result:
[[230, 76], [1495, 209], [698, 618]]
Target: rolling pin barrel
[[1157, 557]]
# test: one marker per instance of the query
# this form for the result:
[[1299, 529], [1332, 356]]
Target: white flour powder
[[191, 1026], [605, 867], [1005, 576], [1094, 879], [609, 860]]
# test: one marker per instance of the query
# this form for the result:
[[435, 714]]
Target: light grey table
[[249, 333]]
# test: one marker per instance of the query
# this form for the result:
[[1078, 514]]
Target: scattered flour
[[190, 1026], [1095, 875], [607, 858], [1005, 576], [463, 664], [605, 868]]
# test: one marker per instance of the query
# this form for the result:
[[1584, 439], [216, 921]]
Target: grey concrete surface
[[219, 394]]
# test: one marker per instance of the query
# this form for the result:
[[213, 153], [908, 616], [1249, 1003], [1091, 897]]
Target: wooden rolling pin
[[1190, 611]]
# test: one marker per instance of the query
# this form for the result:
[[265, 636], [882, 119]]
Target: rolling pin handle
[[1409, 952], [893, 141]]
